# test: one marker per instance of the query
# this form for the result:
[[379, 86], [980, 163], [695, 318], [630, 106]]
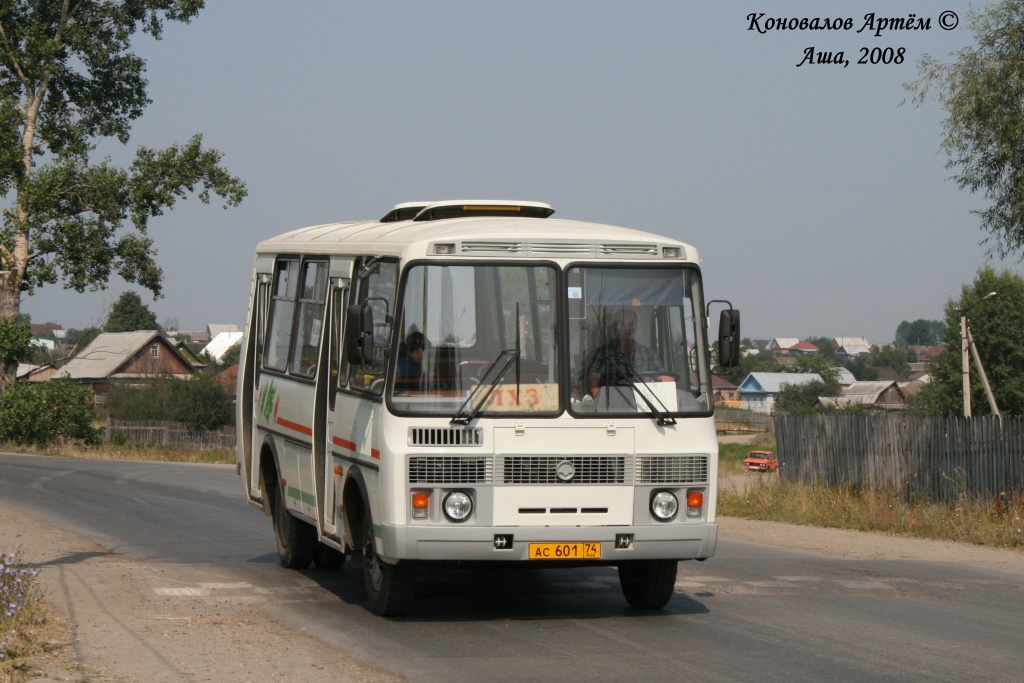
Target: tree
[[861, 369], [129, 314], [77, 340], [898, 358], [824, 345], [921, 332], [763, 361], [982, 89], [68, 78], [231, 356], [996, 326], [825, 368], [800, 398], [200, 402]]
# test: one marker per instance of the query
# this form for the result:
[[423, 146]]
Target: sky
[[819, 205]]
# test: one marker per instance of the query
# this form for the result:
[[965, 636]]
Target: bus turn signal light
[[420, 504], [694, 502]]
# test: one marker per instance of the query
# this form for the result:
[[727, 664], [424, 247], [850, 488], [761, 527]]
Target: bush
[[199, 403], [47, 413]]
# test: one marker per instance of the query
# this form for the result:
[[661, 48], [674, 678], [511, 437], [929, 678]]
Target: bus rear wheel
[[388, 586], [296, 541], [648, 584]]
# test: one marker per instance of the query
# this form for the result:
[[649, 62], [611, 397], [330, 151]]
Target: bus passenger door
[[248, 400], [326, 388]]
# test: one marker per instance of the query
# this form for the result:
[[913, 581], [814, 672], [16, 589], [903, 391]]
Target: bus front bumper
[[512, 544]]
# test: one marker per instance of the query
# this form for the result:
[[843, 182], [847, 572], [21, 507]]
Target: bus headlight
[[664, 505], [458, 506]]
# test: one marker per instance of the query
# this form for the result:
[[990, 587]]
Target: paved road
[[752, 612]]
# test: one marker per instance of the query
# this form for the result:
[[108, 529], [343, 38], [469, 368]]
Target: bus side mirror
[[359, 334], [729, 338]]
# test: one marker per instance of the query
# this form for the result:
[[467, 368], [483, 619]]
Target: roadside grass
[[111, 451], [27, 632], [983, 522]]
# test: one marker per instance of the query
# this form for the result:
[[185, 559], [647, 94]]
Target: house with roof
[[782, 345], [885, 395], [30, 372], [126, 357], [760, 389], [851, 347], [790, 346], [726, 394], [844, 376], [191, 355], [221, 343]]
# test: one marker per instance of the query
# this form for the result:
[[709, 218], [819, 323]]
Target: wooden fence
[[939, 458], [741, 421], [171, 435]]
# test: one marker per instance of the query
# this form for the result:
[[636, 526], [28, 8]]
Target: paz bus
[[476, 382]]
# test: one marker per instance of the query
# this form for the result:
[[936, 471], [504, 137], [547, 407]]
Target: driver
[[409, 373], [622, 356]]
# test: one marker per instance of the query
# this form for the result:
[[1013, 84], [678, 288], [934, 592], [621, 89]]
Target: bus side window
[[378, 290], [279, 329], [312, 296]]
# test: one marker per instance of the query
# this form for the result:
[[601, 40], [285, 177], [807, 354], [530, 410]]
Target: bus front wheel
[[388, 586], [296, 540], [648, 584]]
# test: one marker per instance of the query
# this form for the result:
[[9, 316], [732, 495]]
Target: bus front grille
[[558, 469], [445, 436], [671, 469], [448, 469]]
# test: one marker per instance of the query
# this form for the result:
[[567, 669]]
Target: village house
[[760, 389], [851, 347], [876, 395], [126, 357]]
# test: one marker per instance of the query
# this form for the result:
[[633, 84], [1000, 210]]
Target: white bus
[[475, 382]]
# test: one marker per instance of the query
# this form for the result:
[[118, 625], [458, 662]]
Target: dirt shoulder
[[116, 628], [861, 545]]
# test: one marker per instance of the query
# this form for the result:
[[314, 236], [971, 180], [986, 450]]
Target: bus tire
[[296, 541], [648, 584], [327, 557], [388, 586]]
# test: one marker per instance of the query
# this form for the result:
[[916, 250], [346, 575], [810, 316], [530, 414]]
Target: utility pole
[[966, 341]]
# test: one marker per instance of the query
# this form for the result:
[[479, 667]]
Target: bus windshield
[[637, 342], [458, 323]]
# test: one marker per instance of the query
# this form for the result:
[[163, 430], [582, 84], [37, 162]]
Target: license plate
[[565, 551]]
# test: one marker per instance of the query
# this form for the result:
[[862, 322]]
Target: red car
[[761, 461]]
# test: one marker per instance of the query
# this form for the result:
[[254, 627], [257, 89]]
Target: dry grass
[[27, 630], [126, 452], [991, 523]]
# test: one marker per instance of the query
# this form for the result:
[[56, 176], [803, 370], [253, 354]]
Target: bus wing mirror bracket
[[359, 334]]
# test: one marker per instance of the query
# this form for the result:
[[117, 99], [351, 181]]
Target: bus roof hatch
[[479, 207]]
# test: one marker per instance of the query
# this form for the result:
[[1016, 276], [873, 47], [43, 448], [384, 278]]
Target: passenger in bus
[[409, 374], [622, 357]]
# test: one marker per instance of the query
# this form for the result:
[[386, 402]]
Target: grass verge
[[125, 452], [997, 524]]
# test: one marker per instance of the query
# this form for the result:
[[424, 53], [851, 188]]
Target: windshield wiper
[[663, 419], [466, 414]]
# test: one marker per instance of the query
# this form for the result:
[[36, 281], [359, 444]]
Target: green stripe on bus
[[307, 498]]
